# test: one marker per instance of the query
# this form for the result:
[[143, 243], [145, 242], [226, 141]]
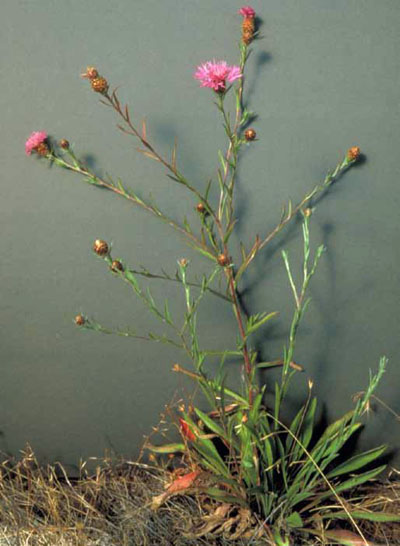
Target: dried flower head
[[250, 134], [353, 153], [215, 74], [247, 12], [91, 72], [35, 143], [100, 247], [79, 320]]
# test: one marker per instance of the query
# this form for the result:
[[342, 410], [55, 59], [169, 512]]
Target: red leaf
[[184, 482], [185, 430]]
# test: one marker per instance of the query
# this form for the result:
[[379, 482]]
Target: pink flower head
[[34, 140], [247, 11], [215, 73]]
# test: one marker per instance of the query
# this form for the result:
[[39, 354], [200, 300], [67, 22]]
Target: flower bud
[[223, 260], [100, 85], [353, 153], [100, 247], [250, 134], [79, 320], [307, 212], [64, 143], [248, 25], [200, 208], [116, 266], [183, 262]]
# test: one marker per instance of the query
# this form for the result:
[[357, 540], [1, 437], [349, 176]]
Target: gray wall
[[324, 77]]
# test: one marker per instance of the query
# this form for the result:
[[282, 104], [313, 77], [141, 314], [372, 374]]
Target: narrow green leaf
[[356, 462], [222, 496], [354, 482], [360, 514], [167, 448], [211, 424]]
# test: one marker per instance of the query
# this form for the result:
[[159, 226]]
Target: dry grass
[[43, 506]]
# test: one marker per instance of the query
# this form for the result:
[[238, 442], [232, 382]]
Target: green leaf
[[211, 424], [354, 482], [167, 448], [294, 520], [308, 425], [254, 322], [357, 462], [222, 496], [360, 514]]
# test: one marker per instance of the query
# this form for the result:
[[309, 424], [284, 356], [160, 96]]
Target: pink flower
[[34, 141], [247, 11], [215, 73]]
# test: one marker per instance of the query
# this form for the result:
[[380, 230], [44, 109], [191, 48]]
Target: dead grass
[[41, 505]]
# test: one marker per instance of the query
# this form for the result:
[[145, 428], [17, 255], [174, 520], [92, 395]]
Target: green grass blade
[[356, 462]]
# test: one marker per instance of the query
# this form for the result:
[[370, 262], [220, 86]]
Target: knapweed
[[64, 144], [247, 12], [37, 143], [353, 153], [91, 73], [223, 260], [250, 134], [215, 74], [116, 266], [248, 25], [100, 247], [79, 320]]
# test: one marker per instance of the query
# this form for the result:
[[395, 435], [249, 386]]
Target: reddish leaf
[[185, 430]]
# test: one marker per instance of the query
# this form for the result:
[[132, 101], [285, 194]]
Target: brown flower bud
[[200, 208], [42, 149], [80, 320], [307, 212], [353, 153], [100, 85], [91, 73], [64, 144], [100, 247], [116, 266], [250, 134], [223, 260], [183, 262], [248, 28]]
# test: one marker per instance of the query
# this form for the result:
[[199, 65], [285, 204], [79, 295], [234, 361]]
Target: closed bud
[[116, 266], [183, 262], [100, 247], [200, 208], [100, 85], [223, 260], [64, 144], [307, 212], [353, 153], [80, 320], [250, 134]]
